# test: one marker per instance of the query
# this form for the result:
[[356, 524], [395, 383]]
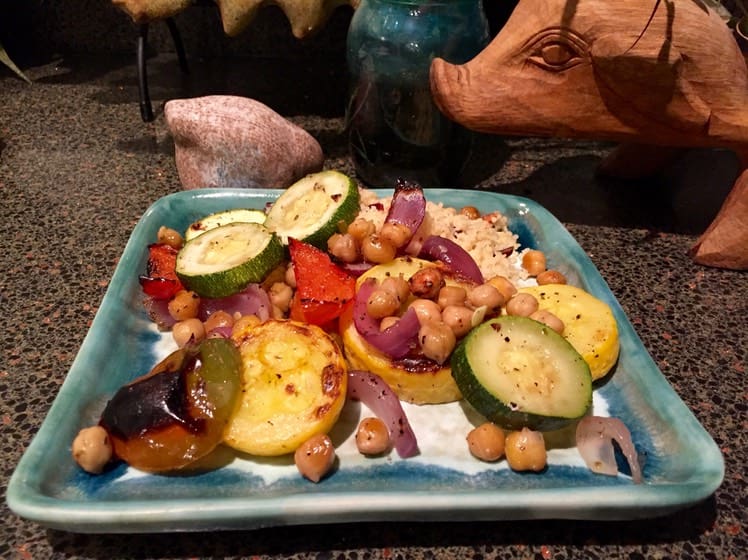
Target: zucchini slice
[[248, 215], [314, 208], [517, 372], [225, 259]]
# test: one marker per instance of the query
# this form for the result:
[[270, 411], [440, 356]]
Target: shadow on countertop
[[486, 536], [562, 175]]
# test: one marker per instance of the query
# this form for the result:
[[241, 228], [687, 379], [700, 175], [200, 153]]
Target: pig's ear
[[646, 83]]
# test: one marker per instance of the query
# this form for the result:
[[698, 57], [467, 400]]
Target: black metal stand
[[146, 108]]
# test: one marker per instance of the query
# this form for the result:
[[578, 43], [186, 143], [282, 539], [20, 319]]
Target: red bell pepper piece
[[323, 290], [160, 280]]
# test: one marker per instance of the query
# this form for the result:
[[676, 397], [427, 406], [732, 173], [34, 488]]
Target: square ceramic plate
[[682, 464]]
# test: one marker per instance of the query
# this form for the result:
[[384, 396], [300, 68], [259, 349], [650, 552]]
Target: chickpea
[[277, 274], [382, 303], [398, 286], [458, 318], [428, 311], [361, 228], [244, 323], [504, 285], [315, 457], [92, 449], [427, 282], [525, 450], [437, 341], [372, 436], [170, 237], [548, 318], [343, 247], [184, 305], [550, 277], [522, 304], [470, 212], [290, 277], [397, 234], [486, 442], [189, 329], [486, 295], [387, 322], [218, 320], [277, 313], [377, 250], [533, 262], [280, 295], [451, 295]]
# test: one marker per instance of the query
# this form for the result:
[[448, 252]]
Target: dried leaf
[[5, 59]]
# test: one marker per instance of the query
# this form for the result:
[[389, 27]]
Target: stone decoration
[[230, 141], [651, 75]]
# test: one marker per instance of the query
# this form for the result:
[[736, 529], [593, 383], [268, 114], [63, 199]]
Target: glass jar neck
[[422, 3]]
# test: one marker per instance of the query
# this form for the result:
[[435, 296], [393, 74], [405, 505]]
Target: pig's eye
[[557, 54], [557, 51]]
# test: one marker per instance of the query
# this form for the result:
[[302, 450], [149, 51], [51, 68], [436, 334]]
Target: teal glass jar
[[394, 128]]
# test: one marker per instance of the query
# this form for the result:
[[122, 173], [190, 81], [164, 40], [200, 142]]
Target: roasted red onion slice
[[595, 436], [408, 207], [395, 341], [158, 312], [356, 269], [374, 392], [253, 300], [457, 259], [222, 332]]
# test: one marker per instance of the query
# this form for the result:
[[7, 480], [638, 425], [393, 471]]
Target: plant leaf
[[5, 59], [742, 26]]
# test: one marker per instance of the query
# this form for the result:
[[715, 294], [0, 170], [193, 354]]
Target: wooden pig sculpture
[[662, 73], [231, 141]]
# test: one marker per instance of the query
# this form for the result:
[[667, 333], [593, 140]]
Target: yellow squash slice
[[589, 325], [415, 381], [294, 381]]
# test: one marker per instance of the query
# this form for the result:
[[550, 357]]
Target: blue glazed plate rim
[[683, 465]]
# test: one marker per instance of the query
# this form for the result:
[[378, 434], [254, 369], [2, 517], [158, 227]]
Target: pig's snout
[[448, 81]]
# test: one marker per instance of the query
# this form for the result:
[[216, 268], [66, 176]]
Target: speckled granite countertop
[[78, 168]]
